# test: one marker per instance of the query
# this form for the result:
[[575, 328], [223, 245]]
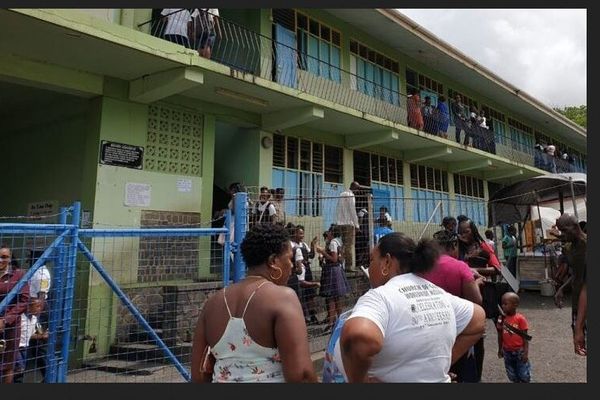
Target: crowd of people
[[24, 322], [551, 159], [423, 320], [424, 116]]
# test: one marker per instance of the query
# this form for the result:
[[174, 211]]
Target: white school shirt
[[419, 322], [266, 209], [299, 257], [40, 282], [346, 209], [27, 329], [177, 22]]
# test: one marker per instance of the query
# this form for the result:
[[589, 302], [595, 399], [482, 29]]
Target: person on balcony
[[178, 25], [443, 117], [415, 118], [428, 116], [550, 158], [206, 26], [460, 117]]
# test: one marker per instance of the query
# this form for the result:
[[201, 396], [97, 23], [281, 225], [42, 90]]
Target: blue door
[[285, 56], [381, 198]]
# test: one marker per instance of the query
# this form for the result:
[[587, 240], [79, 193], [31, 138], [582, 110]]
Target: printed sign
[[121, 155], [41, 208], [184, 185], [138, 194]]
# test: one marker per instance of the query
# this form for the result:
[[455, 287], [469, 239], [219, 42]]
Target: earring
[[386, 272], [279, 276]]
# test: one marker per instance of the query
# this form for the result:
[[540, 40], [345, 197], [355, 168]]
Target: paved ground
[[551, 350]]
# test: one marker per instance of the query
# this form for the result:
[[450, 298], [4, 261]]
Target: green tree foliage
[[577, 114]]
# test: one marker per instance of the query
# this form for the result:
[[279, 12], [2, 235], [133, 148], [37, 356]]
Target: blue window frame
[[319, 48], [376, 74]]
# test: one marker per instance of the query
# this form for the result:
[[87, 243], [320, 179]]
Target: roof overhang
[[406, 36]]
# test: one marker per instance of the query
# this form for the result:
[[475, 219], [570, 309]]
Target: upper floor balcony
[[292, 61]]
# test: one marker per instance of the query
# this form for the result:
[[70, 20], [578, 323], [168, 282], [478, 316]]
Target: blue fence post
[[240, 218], [55, 307], [227, 249], [69, 286]]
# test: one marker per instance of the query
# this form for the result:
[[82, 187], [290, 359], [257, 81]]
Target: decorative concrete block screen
[[174, 141]]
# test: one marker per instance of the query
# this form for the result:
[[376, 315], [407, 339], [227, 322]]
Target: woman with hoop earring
[[254, 330]]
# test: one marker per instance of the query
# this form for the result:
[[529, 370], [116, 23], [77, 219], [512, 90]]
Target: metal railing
[[250, 52]]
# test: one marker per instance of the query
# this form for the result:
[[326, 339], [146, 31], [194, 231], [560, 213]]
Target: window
[[470, 198], [319, 48], [496, 121], [385, 177], [298, 168], [429, 188], [521, 136], [376, 74], [334, 164], [424, 85], [369, 167]]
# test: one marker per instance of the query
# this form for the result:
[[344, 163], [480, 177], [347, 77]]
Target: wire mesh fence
[[123, 301]]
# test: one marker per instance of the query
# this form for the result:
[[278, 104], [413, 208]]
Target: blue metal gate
[[69, 241]]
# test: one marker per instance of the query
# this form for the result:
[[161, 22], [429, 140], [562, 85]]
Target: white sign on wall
[[184, 185], [138, 194]]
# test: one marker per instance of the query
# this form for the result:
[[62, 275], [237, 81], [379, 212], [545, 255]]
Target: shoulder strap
[[250, 298], [516, 331], [226, 305]]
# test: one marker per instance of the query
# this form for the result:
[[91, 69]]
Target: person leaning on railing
[[443, 117], [254, 330], [177, 26], [206, 28]]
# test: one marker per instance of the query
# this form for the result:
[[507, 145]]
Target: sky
[[542, 52]]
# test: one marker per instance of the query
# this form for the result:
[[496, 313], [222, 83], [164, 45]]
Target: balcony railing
[[280, 61]]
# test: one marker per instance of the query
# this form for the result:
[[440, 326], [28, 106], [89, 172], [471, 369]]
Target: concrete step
[[143, 336], [123, 367], [148, 351]]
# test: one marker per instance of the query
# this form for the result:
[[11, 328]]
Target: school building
[[97, 106]]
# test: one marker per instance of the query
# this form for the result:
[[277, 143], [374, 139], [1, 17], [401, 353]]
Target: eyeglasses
[[5, 257]]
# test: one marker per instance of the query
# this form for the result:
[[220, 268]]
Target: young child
[[29, 329], [513, 340]]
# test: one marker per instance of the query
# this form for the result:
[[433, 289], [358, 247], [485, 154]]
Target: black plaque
[[121, 155]]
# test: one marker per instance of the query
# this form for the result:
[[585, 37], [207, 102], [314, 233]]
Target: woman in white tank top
[[254, 330]]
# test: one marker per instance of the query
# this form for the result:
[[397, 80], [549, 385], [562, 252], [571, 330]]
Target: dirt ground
[[551, 349]]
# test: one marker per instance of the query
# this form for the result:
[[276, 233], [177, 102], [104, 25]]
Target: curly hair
[[262, 241]]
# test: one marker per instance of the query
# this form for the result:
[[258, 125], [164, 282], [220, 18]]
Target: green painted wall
[[50, 163], [238, 156]]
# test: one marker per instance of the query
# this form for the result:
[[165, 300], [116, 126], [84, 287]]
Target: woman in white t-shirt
[[406, 329]]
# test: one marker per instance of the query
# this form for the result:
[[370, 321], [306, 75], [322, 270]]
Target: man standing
[[460, 118], [575, 249], [347, 220]]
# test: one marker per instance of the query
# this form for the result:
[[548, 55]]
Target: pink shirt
[[450, 274]]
